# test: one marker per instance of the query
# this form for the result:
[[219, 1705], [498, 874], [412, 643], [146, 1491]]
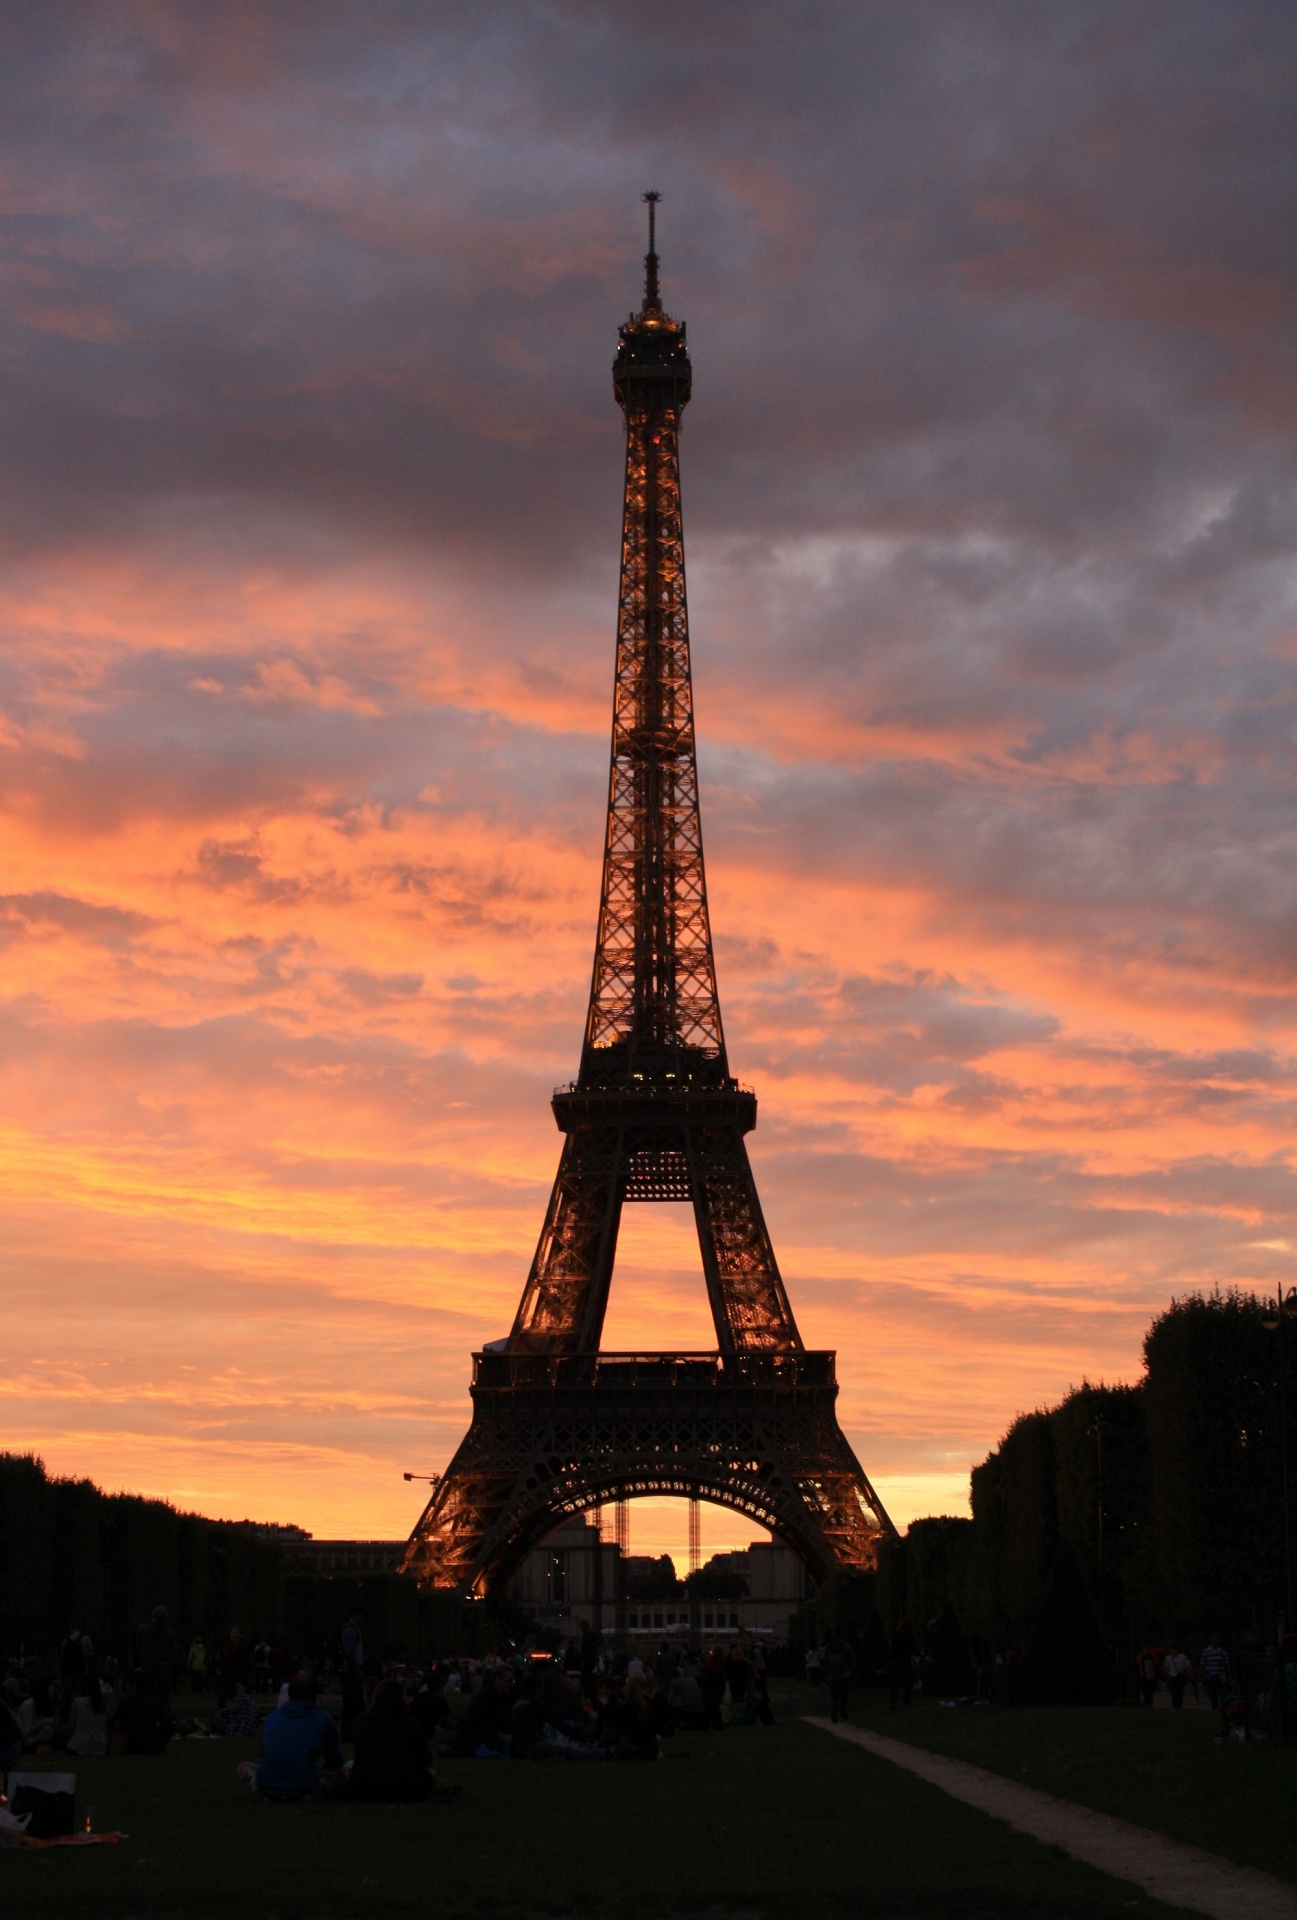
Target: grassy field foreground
[[1157, 1768], [759, 1821]]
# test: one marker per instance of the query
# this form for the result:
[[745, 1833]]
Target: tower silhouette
[[654, 1114]]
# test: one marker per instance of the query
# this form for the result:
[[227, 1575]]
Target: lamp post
[[1100, 1431], [219, 1557], [107, 1528], [1273, 1314]]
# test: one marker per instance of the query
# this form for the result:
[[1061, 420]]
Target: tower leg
[[748, 1301], [566, 1295], [622, 1514]]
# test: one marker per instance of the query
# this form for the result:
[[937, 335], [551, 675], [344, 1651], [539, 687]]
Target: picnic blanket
[[76, 1840]]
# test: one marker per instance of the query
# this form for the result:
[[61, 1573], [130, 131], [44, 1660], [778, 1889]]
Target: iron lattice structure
[[654, 1114]]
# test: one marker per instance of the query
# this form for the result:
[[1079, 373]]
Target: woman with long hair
[[636, 1734], [88, 1727], [392, 1760]]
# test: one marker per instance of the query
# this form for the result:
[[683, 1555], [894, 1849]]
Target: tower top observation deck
[[652, 363]]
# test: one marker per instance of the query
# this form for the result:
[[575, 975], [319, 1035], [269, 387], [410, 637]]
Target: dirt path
[[1180, 1875]]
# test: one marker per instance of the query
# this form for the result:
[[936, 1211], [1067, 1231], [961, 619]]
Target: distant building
[[307, 1555], [570, 1574], [574, 1580]]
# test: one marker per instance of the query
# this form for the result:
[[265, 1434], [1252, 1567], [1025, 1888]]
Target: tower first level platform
[[557, 1434]]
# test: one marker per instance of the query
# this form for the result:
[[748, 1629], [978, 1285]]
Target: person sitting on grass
[[392, 1760], [564, 1703], [87, 1730], [136, 1725], [428, 1701], [242, 1718], [11, 1737], [301, 1756], [631, 1722], [36, 1710], [532, 1736], [486, 1724], [432, 1709], [685, 1699]]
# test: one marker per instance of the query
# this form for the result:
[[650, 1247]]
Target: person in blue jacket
[[301, 1755]]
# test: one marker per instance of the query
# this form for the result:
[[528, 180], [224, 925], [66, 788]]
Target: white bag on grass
[[11, 1829]]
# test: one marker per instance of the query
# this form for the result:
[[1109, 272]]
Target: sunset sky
[[308, 546]]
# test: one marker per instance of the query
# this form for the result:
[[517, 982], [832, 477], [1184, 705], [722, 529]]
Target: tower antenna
[[652, 298]]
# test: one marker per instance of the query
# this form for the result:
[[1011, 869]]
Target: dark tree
[[1064, 1663], [1212, 1396]]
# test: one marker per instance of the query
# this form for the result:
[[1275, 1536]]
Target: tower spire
[[652, 298]]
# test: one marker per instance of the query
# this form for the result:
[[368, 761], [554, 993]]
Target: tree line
[[1123, 1513], [74, 1556]]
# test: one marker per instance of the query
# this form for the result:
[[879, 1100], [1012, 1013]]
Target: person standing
[[76, 1665], [157, 1646], [902, 1650], [738, 1678], [196, 1664], [1176, 1668], [234, 1667], [712, 1684], [838, 1669], [1215, 1669], [761, 1686], [353, 1671]]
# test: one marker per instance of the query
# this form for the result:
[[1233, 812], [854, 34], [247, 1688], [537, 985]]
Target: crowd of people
[[1168, 1665], [583, 1705], [905, 1665]]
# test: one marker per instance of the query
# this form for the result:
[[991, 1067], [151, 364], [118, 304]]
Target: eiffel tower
[[558, 1426]]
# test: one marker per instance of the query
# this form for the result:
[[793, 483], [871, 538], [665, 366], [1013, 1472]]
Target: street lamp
[[108, 1527], [433, 1479], [1273, 1314]]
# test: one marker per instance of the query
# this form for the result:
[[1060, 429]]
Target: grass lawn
[[1160, 1769], [756, 1821]]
